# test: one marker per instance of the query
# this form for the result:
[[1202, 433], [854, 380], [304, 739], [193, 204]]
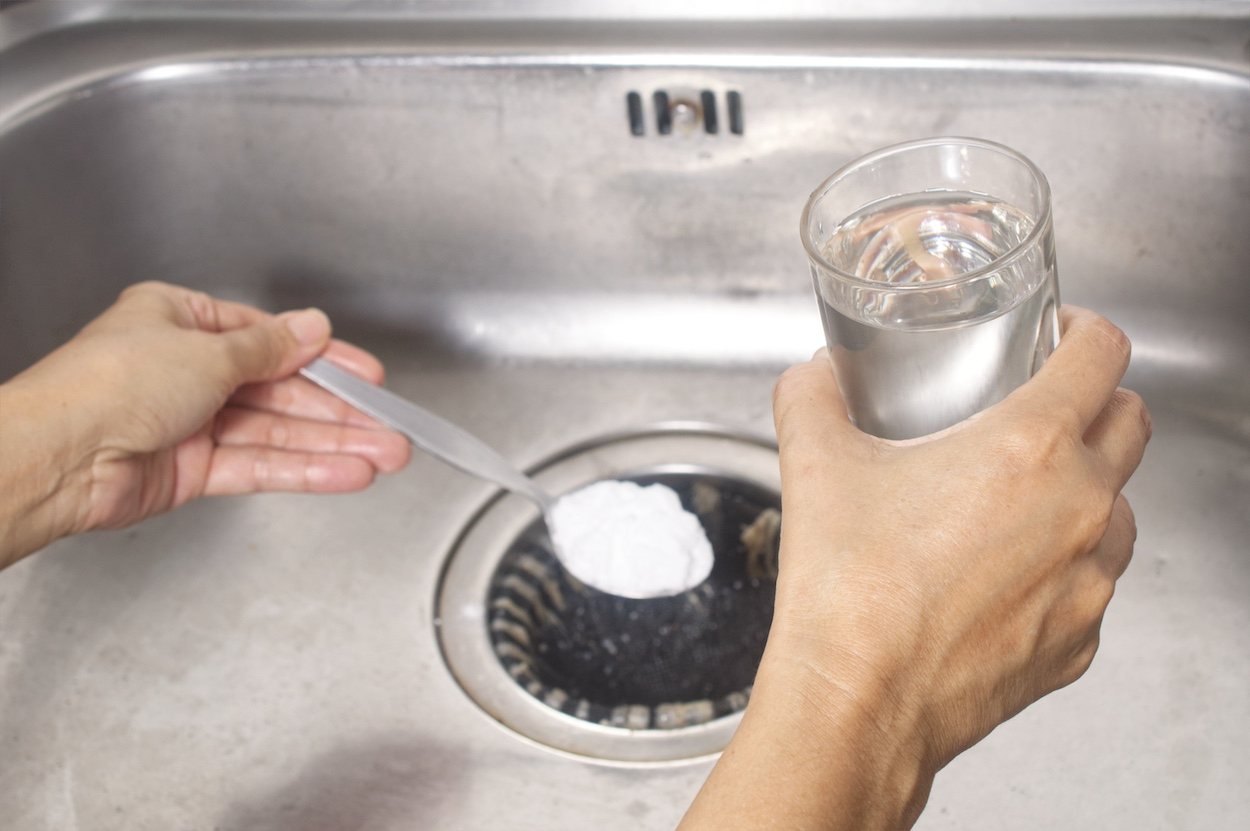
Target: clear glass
[[934, 268]]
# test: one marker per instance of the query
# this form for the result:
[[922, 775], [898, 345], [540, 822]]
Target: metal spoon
[[458, 448], [434, 435]]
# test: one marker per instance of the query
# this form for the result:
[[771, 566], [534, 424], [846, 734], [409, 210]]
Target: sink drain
[[660, 663], [615, 678]]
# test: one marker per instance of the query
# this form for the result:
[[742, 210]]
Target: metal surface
[[466, 198], [436, 436]]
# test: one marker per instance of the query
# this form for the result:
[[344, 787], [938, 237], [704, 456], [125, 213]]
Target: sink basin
[[550, 261]]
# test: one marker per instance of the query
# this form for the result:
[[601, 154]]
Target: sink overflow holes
[[684, 111]]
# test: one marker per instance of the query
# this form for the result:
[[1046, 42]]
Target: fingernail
[[309, 326]]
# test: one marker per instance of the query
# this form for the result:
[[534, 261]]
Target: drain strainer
[[615, 678]]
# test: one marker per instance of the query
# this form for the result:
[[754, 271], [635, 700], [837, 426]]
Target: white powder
[[624, 539]]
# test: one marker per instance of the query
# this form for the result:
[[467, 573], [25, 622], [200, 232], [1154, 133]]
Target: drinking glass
[[934, 268]]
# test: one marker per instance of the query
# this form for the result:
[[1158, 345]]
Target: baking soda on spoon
[[625, 539]]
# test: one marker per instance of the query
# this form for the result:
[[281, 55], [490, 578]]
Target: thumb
[[277, 346]]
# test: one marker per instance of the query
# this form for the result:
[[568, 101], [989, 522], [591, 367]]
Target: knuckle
[[343, 440], [1081, 661], [1030, 445], [1130, 400], [784, 387], [308, 474], [1116, 547], [1133, 404], [1091, 521], [142, 287], [1098, 596], [277, 433], [1127, 517], [203, 310], [261, 472], [787, 394], [1113, 335], [1131, 407]]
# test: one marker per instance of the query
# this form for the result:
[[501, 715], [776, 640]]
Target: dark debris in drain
[[660, 663]]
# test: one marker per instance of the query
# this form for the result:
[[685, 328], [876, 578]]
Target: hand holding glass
[[934, 265]]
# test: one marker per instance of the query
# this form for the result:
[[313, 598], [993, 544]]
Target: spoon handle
[[436, 436]]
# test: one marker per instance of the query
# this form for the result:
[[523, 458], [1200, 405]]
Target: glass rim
[[994, 266]]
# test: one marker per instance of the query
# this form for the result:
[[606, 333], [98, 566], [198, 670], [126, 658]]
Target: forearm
[[815, 752], [45, 468]]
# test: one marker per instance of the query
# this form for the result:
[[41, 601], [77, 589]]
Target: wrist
[[45, 466], [818, 748], [854, 725]]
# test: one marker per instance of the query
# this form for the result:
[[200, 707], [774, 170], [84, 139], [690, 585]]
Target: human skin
[[930, 589], [170, 395]]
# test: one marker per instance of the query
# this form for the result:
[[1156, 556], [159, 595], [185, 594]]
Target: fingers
[[1090, 591], [1094, 573], [260, 345], [299, 398], [275, 347], [257, 346], [1119, 435], [385, 450], [240, 470], [355, 360], [807, 402], [1080, 376], [267, 348]]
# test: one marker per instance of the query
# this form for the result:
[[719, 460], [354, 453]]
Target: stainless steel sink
[[466, 195]]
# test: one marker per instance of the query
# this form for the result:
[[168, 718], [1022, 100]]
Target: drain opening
[[654, 664], [548, 659]]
